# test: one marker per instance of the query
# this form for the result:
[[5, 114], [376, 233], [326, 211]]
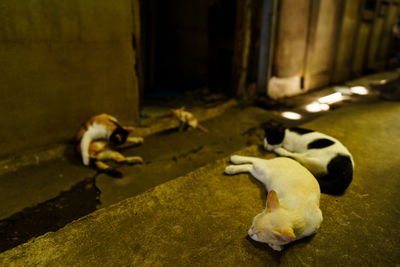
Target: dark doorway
[[187, 51]]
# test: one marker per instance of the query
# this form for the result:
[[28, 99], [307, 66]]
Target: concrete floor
[[26, 194], [202, 217]]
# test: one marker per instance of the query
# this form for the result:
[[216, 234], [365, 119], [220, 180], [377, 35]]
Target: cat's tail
[[339, 177], [201, 128], [104, 168]]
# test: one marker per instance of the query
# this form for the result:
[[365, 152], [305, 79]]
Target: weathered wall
[[321, 41], [61, 62], [290, 48], [347, 37], [361, 44], [291, 39], [381, 36]]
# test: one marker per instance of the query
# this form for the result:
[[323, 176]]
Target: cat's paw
[[230, 170], [135, 140], [133, 160], [281, 151], [236, 159]]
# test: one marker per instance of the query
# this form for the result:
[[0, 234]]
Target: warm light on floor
[[291, 115], [317, 107], [359, 90], [344, 90], [332, 98]]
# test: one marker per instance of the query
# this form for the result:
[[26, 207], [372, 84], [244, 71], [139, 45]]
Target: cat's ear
[[272, 201], [129, 129], [286, 234]]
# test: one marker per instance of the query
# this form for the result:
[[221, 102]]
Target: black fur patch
[[300, 130], [274, 132], [339, 176], [320, 143], [118, 136]]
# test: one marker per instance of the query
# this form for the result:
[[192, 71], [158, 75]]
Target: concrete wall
[[61, 62], [381, 38], [291, 39], [361, 44], [321, 41], [347, 37], [290, 48]]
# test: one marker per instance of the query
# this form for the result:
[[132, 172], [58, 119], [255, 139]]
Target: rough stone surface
[[201, 219]]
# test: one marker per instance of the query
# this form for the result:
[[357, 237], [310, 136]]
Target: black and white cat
[[324, 156]]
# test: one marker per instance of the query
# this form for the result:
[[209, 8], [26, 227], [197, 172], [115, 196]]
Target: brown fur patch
[[104, 119], [101, 165], [96, 147]]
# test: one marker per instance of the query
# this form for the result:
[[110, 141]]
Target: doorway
[[187, 53]]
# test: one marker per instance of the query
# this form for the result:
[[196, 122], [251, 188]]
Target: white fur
[[187, 117], [298, 193], [135, 140], [94, 132], [294, 145], [193, 123]]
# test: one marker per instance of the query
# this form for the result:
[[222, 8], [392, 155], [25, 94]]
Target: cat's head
[[120, 134], [272, 225], [274, 133]]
